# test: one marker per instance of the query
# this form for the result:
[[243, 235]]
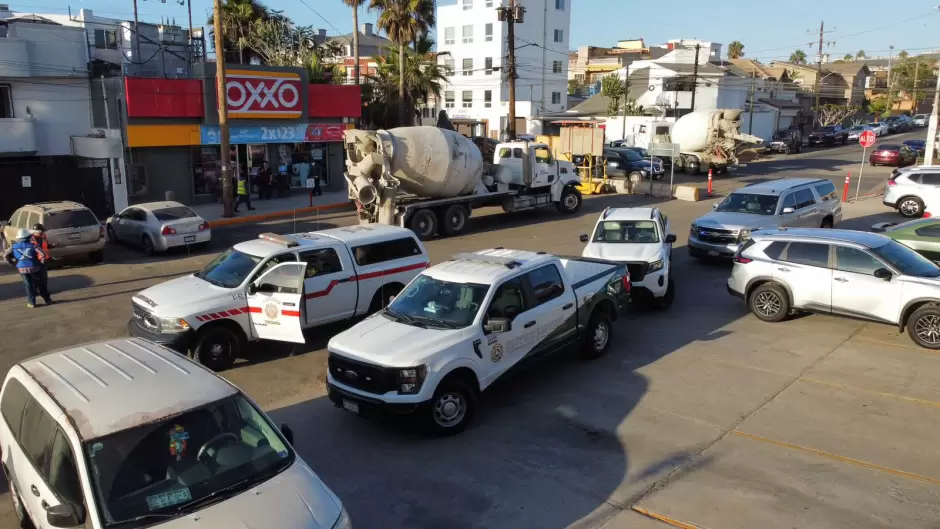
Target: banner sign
[[311, 132], [270, 95]]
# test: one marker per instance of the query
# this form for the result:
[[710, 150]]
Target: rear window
[[380, 252], [826, 191], [77, 218], [175, 213]]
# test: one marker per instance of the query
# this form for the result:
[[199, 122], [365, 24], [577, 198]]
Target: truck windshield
[[229, 269], [427, 301], [749, 203], [638, 231], [168, 468]]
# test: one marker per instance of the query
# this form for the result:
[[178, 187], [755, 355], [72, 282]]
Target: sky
[[768, 30]]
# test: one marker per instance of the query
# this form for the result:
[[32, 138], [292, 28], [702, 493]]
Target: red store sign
[[253, 94], [324, 132]]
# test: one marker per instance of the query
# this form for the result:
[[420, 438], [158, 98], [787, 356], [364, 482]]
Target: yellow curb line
[[843, 459], [914, 400], [665, 519], [277, 214]]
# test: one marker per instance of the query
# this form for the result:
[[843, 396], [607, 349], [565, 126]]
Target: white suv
[[850, 273], [909, 189]]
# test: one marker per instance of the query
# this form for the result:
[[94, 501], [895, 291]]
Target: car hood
[[380, 340], [295, 498], [624, 252], [181, 296], [734, 221]]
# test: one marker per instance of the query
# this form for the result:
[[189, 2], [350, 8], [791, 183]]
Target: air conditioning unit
[[171, 34]]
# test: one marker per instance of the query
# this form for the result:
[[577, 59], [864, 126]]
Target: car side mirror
[[583, 237], [287, 433], [787, 211], [715, 205], [65, 515], [497, 325], [671, 238], [883, 273], [252, 288]]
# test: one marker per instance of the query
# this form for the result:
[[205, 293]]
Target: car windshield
[[906, 260], [782, 135], [749, 203], [432, 302], [77, 218], [641, 151], [626, 231], [174, 213], [171, 467], [229, 269]]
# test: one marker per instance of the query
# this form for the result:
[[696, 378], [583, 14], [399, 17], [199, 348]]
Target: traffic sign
[[866, 139]]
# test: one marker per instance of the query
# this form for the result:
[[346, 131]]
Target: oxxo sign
[[254, 94]]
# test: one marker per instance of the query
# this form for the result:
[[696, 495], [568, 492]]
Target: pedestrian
[[38, 232], [29, 259], [264, 181], [243, 190], [316, 172]]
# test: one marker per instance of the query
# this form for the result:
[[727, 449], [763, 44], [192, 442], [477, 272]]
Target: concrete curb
[[279, 214]]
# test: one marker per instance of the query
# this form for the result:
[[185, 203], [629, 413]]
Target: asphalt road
[[701, 415]]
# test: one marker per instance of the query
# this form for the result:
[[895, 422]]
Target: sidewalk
[[278, 207]]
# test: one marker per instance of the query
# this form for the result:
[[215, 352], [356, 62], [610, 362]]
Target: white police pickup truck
[[462, 324], [274, 287], [639, 238]]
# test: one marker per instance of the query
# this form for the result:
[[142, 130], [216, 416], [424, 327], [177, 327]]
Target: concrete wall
[[59, 106], [168, 169], [51, 51]]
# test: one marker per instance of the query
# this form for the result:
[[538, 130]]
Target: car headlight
[[744, 235], [343, 521], [410, 379], [173, 325], [656, 266]]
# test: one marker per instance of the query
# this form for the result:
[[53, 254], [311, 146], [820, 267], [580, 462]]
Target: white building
[[473, 44], [673, 76], [711, 50]]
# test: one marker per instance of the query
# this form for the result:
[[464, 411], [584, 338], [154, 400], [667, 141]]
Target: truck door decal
[[222, 314], [363, 277]]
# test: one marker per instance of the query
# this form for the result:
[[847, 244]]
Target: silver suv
[[785, 203], [849, 273], [72, 229], [909, 188]]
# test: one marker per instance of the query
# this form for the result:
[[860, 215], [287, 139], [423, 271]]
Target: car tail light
[[626, 283], [741, 260], [168, 231], [204, 226], [891, 182], [101, 232], [927, 215]]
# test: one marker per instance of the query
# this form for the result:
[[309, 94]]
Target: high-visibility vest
[[27, 254], [242, 188]]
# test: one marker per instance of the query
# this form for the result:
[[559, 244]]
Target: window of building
[[449, 99], [560, 5], [556, 98], [679, 83], [106, 39], [466, 99], [467, 5], [487, 98], [467, 34], [556, 66], [488, 32], [448, 65], [559, 35], [6, 101], [381, 252], [488, 66], [467, 67], [449, 36]]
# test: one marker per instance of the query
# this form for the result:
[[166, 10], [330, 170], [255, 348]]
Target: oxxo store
[[275, 116]]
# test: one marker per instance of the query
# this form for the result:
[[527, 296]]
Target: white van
[[129, 433]]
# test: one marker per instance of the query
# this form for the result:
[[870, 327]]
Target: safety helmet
[[22, 234], [38, 228]]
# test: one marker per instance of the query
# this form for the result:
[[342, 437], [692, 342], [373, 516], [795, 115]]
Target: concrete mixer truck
[[430, 179]]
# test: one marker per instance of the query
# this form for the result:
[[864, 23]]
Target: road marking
[[836, 457], [901, 345], [665, 519], [915, 400]]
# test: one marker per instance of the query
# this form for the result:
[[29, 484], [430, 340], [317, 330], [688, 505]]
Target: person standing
[[243, 190], [38, 232], [316, 172], [29, 259], [264, 181]]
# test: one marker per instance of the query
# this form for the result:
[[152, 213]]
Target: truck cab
[[533, 166]]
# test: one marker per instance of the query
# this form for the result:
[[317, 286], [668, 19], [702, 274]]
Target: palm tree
[[848, 57], [798, 57], [425, 15], [237, 16], [902, 55], [860, 55], [355, 5], [735, 50], [397, 19]]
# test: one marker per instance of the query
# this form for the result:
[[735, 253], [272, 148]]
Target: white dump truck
[[429, 179]]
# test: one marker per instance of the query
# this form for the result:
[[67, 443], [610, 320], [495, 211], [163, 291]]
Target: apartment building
[[472, 48]]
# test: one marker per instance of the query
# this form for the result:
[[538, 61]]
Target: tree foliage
[[798, 57], [848, 57], [834, 114], [860, 55], [613, 88], [735, 50], [237, 17], [907, 70], [424, 79]]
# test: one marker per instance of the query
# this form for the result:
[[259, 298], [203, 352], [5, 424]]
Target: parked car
[[893, 154], [128, 433], [627, 163], [918, 146], [790, 202], [641, 239], [72, 229], [856, 131], [786, 142], [898, 124], [920, 235], [462, 324], [158, 227], [276, 286], [828, 136], [646, 155], [908, 189], [849, 273], [880, 129], [920, 120]]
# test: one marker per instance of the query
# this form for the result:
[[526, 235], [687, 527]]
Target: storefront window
[[207, 170], [300, 160]]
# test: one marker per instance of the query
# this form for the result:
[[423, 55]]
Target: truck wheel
[[924, 327], [217, 347], [452, 408], [597, 335], [665, 302], [453, 220], [424, 224], [570, 201]]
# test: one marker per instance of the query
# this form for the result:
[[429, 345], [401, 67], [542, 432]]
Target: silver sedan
[[158, 226]]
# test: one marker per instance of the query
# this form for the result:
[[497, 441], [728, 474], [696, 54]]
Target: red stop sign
[[867, 139]]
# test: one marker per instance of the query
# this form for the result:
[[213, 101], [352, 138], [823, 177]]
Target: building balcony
[[18, 136]]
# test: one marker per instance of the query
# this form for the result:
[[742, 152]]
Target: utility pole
[[221, 98], [750, 120], [889, 102], [695, 75], [511, 16], [932, 126], [189, 9], [818, 75], [916, 71], [626, 95], [135, 56]]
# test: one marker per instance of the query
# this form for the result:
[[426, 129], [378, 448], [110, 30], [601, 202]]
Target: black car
[[628, 163], [829, 136], [786, 142]]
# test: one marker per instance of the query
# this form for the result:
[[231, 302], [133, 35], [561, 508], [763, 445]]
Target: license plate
[[74, 236], [350, 406], [189, 238], [712, 253]]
